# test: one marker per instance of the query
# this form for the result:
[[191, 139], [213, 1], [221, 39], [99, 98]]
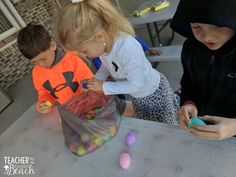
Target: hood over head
[[215, 12]]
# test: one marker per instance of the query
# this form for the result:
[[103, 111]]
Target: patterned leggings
[[160, 106]]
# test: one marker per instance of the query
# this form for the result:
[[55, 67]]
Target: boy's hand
[[185, 113], [222, 128], [45, 106], [95, 84]]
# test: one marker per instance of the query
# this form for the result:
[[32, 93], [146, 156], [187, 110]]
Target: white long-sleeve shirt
[[128, 66]]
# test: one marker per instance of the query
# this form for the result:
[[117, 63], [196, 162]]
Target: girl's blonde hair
[[79, 22]]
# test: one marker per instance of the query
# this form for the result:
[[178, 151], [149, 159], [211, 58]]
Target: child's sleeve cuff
[[189, 102]]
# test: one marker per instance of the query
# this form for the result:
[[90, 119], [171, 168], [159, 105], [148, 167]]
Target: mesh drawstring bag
[[88, 121]]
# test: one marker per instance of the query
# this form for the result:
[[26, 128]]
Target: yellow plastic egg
[[112, 131], [98, 141], [81, 150]]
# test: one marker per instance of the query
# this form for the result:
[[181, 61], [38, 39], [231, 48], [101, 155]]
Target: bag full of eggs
[[89, 120]]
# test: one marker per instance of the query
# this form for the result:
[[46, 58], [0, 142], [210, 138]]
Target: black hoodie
[[209, 78]]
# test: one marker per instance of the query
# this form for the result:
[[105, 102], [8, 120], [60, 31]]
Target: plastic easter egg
[[196, 121], [125, 160], [81, 150], [90, 147], [73, 147], [131, 138], [112, 131], [84, 137], [74, 138], [93, 138], [90, 116], [106, 137], [85, 85], [98, 141], [48, 103]]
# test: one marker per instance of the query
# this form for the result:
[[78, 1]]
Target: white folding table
[[160, 151]]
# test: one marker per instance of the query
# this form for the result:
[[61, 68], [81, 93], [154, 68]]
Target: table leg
[[157, 30], [154, 64], [171, 38], [157, 33], [150, 34]]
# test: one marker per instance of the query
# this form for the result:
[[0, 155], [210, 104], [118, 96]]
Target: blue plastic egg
[[196, 121]]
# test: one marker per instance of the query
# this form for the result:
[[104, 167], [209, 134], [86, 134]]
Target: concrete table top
[[160, 151]]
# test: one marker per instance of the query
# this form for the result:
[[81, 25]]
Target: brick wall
[[13, 66]]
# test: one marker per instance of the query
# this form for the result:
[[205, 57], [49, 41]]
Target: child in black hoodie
[[209, 62]]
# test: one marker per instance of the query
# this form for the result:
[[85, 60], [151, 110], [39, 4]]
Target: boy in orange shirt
[[57, 74]]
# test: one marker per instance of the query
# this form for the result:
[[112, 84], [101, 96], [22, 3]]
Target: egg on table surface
[[131, 138], [125, 160]]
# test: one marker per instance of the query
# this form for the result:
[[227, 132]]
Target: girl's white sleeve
[[133, 60], [102, 73]]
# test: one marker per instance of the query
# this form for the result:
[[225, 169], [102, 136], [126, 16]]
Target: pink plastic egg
[[131, 138], [125, 160]]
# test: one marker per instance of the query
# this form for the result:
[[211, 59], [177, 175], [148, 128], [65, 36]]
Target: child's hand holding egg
[[45, 106]]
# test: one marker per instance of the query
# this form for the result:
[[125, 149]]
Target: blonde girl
[[95, 28]]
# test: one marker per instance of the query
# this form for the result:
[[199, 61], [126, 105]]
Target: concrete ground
[[24, 95]]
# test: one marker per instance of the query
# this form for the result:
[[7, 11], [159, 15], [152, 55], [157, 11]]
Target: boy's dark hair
[[32, 40]]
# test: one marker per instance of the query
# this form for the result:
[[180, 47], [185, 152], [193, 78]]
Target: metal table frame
[[157, 35]]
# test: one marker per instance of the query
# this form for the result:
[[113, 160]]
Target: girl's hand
[[84, 84], [45, 106], [154, 51], [185, 113], [95, 84], [222, 128]]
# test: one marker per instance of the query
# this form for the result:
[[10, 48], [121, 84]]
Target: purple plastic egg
[[85, 85], [125, 160], [131, 138]]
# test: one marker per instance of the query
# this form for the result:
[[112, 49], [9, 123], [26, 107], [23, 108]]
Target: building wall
[[13, 66]]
